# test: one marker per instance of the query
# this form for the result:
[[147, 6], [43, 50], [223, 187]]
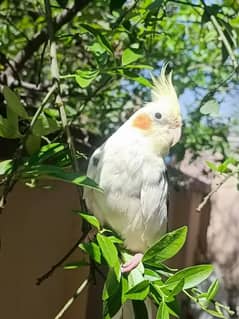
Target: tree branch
[[7, 77], [73, 298], [61, 261], [213, 191]]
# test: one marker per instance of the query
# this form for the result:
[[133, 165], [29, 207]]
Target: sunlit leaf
[[139, 291], [167, 247], [213, 290], [98, 33], [45, 125], [5, 167], [211, 107], [84, 77], [90, 219], [108, 249], [130, 56], [55, 172], [212, 166], [192, 276], [162, 311]]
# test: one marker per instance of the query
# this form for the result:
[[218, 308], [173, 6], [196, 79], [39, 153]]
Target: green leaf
[[5, 167], [111, 285], [213, 290], [140, 310], [192, 276], [51, 151], [76, 265], [89, 218], [13, 102], [166, 247], [162, 290], [162, 311], [212, 166], [135, 277], [130, 56], [98, 33], [8, 129], [138, 66], [109, 250], [45, 125], [32, 144], [112, 305], [210, 107], [104, 43], [139, 291], [51, 171], [214, 313], [12, 123], [93, 250], [178, 288], [151, 275], [84, 77], [115, 239], [135, 77], [155, 5]]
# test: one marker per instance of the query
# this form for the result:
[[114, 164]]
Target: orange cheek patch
[[142, 121]]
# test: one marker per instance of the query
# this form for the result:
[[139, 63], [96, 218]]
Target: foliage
[[152, 278], [79, 74], [109, 48]]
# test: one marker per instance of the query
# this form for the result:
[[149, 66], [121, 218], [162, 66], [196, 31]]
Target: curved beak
[[176, 133]]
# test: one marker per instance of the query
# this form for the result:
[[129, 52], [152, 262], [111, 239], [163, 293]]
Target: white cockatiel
[[130, 169]]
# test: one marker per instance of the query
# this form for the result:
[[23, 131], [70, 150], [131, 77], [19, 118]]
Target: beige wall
[[37, 228]]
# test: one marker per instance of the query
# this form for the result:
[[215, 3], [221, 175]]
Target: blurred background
[[106, 52]]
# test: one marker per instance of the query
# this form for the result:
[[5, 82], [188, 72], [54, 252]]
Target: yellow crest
[[163, 89]]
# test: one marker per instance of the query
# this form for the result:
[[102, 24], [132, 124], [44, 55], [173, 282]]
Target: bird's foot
[[132, 264]]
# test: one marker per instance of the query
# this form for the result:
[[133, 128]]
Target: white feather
[[130, 169], [134, 198]]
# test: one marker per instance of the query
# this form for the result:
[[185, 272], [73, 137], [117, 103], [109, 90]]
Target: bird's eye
[[158, 115]]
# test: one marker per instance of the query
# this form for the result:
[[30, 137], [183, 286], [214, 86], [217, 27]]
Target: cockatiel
[[130, 169]]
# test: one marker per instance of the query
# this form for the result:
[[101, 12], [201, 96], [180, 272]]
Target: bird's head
[[160, 120]]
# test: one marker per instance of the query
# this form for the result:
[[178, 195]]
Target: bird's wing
[[153, 197]]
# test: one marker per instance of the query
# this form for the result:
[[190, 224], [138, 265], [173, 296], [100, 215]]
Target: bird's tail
[[127, 310]]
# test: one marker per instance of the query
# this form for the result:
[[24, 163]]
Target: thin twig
[[213, 191], [224, 40], [73, 298], [61, 261]]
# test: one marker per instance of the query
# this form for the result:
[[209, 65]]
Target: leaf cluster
[[151, 279]]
